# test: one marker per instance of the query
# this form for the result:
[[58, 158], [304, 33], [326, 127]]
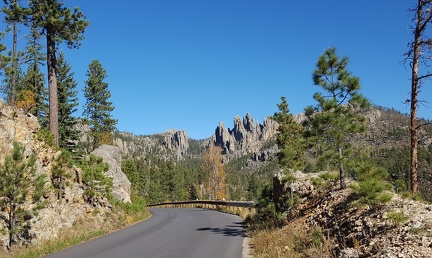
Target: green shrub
[[267, 218], [136, 206], [372, 186], [325, 180], [46, 136], [400, 186], [317, 237], [372, 192], [397, 217], [97, 183]]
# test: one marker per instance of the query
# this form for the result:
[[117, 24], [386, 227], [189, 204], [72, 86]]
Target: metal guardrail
[[226, 203], [243, 209]]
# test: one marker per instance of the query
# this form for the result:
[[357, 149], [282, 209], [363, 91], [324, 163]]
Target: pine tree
[[335, 118], [20, 94], [289, 138], [68, 101], [97, 108], [60, 174], [14, 14], [418, 56], [97, 184], [4, 60], [58, 24], [34, 78], [17, 181]]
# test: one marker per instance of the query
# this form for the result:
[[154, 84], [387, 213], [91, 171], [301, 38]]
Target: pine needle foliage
[[289, 139], [97, 183], [60, 173], [373, 185], [58, 24], [34, 78], [98, 109], [18, 186], [68, 102], [335, 118]]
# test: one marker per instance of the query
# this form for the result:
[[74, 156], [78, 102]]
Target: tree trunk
[[52, 82], [14, 62], [414, 100], [341, 171]]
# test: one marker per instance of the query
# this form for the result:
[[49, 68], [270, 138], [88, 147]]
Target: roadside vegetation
[[327, 140], [122, 215], [324, 142]]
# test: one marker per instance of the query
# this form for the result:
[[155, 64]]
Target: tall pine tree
[[335, 118], [58, 24], [418, 57], [14, 14], [34, 78], [68, 102], [98, 108]]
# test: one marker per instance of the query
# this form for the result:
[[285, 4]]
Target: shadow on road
[[235, 229]]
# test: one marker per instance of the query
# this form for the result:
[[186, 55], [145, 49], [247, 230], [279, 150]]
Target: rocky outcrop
[[112, 155], [15, 125], [359, 231], [177, 142], [172, 144], [58, 215], [247, 137]]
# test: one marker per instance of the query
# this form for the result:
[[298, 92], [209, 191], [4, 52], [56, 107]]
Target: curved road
[[170, 232]]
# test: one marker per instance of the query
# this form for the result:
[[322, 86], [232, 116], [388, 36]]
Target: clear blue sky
[[189, 64]]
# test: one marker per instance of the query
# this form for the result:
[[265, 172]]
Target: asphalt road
[[170, 232]]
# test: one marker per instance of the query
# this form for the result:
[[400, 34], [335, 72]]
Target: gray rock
[[112, 155], [247, 137]]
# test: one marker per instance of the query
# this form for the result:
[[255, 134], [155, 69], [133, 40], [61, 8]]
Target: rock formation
[[113, 157], [58, 215], [177, 142], [247, 137], [172, 144], [359, 231]]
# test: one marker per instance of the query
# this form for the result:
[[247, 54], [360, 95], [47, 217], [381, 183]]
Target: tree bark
[[52, 83], [14, 62], [414, 99], [341, 171]]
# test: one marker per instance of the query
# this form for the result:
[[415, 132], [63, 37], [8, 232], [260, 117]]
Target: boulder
[[112, 155]]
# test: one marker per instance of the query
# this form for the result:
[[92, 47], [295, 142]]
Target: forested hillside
[[342, 160], [159, 174]]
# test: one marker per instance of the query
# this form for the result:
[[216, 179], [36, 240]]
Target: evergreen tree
[[335, 118], [289, 139], [68, 101], [4, 59], [97, 184], [14, 14], [17, 181], [97, 108], [60, 174], [18, 87], [58, 24], [34, 78]]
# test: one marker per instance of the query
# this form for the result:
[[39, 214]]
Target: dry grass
[[292, 241]]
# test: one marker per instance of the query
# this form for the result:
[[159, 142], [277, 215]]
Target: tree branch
[[429, 123]]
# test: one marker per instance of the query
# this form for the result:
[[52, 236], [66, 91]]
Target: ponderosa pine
[[335, 118], [98, 109], [58, 24]]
